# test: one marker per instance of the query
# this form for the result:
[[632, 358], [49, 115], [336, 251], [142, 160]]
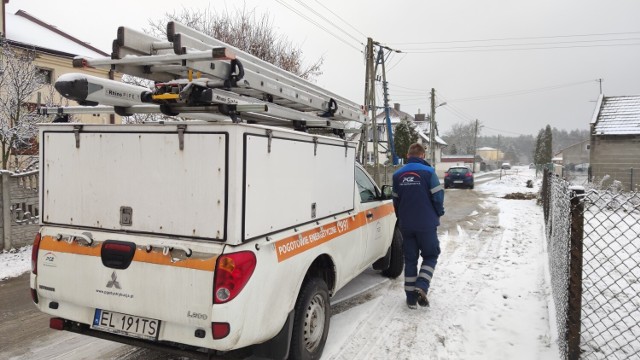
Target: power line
[[281, 2], [529, 44], [469, 49], [343, 20], [500, 131], [328, 21], [397, 63], [521, 92], [518, 38]]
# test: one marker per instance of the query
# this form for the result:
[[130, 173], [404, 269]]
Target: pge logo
[[49, 259]]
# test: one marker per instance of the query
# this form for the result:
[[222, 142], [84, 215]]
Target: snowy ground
[[15, 262], [490, 296]]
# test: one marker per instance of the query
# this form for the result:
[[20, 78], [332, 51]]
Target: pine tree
[[537, 153], [547, 153], [404, 136], [544, 147]]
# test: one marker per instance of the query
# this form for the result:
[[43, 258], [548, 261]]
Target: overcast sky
[[516, 66]]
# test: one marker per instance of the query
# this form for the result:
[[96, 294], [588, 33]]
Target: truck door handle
[[369, 215]]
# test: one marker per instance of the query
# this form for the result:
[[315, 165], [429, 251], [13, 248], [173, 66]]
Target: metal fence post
[[6, 210], [574, 310]]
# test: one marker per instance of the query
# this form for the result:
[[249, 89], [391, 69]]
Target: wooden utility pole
[[370, 107], [475, 146], [498, 153], [432, 128]]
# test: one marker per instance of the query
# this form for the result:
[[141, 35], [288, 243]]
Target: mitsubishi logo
[[114, 281]]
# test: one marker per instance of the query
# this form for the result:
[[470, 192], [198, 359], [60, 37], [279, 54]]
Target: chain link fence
[[593, 241]]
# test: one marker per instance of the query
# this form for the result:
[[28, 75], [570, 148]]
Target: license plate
[[123, 324], [458, 182]]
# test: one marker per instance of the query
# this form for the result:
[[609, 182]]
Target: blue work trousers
[[414, 245]]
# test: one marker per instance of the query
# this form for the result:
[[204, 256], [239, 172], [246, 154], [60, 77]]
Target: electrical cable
[[397, 63], [281, 2], [531, 44], [469, 49], [341, 19], [328, 21], [519, 38], [521, 92]]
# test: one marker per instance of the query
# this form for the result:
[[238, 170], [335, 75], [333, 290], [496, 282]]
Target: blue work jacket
[[418, 197]]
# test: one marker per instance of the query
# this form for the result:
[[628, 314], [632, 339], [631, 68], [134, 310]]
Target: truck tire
[[396, 265], [311, 321]]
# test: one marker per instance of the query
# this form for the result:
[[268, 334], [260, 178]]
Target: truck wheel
[[311, 321], [396, 265]]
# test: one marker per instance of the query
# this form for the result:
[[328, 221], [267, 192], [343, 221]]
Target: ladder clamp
[[181, 130], [270, 137], [76, 132]]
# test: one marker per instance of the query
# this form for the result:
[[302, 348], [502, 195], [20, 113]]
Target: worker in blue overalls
[[418, 200]]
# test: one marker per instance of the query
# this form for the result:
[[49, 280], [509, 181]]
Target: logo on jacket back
[[410, 178]]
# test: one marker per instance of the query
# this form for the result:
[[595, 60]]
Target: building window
[[588, 146], [45, 76]]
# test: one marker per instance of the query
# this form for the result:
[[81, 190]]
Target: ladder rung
[[258, 65]]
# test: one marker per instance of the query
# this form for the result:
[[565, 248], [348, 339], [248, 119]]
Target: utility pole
[[475, 146], [498, 152], [432, 127], [370, 107], [385, 89], [364, 137]]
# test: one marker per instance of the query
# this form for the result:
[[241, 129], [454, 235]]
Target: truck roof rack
[[200, 77]]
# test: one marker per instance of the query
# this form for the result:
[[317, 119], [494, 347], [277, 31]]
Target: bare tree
[[19, 80], [462, 136], [247, 31], [141, 118]]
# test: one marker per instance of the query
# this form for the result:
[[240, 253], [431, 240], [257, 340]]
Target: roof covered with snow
[[25, 29], [395, 115], [617, 115]]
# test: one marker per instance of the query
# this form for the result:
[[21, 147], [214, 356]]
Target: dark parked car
[[458, 176]]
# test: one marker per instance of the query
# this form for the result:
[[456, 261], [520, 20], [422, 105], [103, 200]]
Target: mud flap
[[278, 346]]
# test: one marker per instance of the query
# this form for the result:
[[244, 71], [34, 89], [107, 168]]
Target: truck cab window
[[366, 187]]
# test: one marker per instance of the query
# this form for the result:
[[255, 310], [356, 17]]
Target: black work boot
[[422, 297], [411, 303]]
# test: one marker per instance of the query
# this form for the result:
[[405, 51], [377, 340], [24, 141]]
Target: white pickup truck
[[212, 239]]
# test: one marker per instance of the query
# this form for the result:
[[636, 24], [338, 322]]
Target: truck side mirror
[[387, 192]]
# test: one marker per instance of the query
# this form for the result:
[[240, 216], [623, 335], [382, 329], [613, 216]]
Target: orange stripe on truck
[[141, 255], [296, 244]]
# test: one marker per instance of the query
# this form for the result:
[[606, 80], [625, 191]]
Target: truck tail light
[[56, 323], [219, 330], [232, 273], [34, 254]]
